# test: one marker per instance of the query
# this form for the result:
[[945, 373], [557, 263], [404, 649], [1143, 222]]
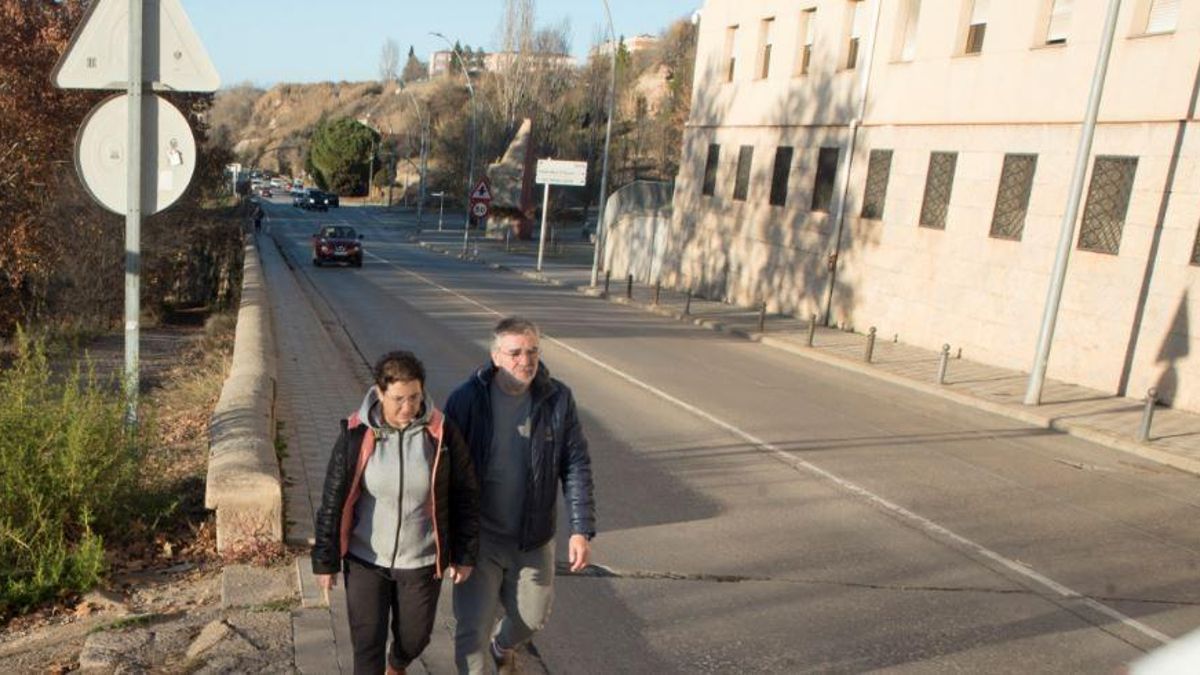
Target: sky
[[265, 43]]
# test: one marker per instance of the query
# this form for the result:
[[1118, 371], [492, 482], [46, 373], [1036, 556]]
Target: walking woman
[[400, 510]]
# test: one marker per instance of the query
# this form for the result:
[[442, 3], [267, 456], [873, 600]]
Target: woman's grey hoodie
[[393, 518]]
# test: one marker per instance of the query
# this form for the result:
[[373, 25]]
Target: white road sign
[[168, 149], [98, 56], [558, 172]]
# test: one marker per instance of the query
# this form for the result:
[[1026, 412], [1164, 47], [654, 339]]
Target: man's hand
[[459, 573], [579, 551], [326, 582]]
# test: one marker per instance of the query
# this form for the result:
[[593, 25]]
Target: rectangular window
[[730, 52], [879, 169], [1163, 17], [780, 175], [908, 30], [710, 170], [1196, 249], [808, 34], [1107, 204], [977, 27], [764, 47], [742, 185], [858, 29], [1060, 21], [827, 164], [1012, 198], [939, 181]]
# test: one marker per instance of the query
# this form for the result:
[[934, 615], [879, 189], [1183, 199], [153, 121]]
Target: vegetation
[[340, 155]]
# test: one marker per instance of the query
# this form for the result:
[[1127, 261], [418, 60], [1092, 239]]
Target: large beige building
[[905, 164]]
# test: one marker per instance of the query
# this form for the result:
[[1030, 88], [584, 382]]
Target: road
[[763, 513]]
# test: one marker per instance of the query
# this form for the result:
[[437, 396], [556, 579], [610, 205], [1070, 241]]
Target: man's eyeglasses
[[516, 353]]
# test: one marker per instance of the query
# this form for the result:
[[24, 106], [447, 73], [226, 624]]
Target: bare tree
[[389, 61]]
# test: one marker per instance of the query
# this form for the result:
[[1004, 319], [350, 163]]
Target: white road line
[[900, 512]]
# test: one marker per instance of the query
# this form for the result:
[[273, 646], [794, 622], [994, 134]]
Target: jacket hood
[[370, 412]]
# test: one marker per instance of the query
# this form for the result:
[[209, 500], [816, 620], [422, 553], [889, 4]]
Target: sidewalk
[[1101, 418]]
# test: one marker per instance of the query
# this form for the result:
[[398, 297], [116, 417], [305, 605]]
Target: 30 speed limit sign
[[479, 209]]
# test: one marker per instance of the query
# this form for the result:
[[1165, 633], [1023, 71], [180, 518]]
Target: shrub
[[68, 477]]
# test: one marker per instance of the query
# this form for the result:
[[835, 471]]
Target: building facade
[[906, 164]]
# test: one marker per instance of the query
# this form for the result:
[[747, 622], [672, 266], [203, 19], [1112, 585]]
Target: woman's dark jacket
[[455, 496], [558, 451]]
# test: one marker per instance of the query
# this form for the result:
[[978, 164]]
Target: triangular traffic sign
[[98, 56], [482, 192]]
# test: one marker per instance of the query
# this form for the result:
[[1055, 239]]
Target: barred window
[[780, 175], [742, 185], [1107, 204], [710, 170], [1012, 198], [827, 164], [879, 168], [939, 181]]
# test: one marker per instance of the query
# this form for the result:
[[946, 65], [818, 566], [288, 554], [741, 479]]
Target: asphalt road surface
[[762, 513]]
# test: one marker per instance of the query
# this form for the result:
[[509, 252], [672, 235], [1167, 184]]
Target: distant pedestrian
[[400, 508], [258, 216], [525, 438]]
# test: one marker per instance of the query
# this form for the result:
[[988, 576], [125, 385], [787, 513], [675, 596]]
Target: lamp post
[[423, 120], [366, 122], [441, 206], [612, 88], [471, 143]]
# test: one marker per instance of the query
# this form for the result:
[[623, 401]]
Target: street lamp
[[441, 206], [612, 88], [471, 146], [366, 122], [423, 120]]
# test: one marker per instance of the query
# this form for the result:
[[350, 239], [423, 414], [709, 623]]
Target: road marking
[[882, 503]]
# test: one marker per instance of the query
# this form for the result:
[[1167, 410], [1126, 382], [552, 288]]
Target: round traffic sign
[[479, 209], [168, 154]]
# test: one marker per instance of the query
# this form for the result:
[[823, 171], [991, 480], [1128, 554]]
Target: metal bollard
[[812, 328], [943, 362], [687, 305], [607, 278], [629, 287], [870, 353], [507, 241], [762, 317], [1143, 434], [657, 290]]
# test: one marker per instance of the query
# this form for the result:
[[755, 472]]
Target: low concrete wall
[[244, 485], [637, 219]]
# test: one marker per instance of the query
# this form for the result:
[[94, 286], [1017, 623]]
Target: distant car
[[298, 197], [315, 200], [337, 243], [266, 192], [332, 200]]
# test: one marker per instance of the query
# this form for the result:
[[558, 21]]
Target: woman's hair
[[398, 366]]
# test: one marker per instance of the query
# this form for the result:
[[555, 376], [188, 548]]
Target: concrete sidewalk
[[1101, 418]]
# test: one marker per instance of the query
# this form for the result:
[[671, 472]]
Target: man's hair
[[398, 366], [514, 325]]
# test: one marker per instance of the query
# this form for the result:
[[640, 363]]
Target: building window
[[780, 175], [908, 30], [1012, 198], [938, 182], [827, 164], [977, 27], [1163, 16], [1196, 249], [730, 52], [1107, 204], [742, 185], [808, 31], [879, 168], [710, 170], [1060, 21], [858, 29], [764, 47]]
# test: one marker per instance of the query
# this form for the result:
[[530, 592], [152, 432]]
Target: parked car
[[337, 243], [266, 192]]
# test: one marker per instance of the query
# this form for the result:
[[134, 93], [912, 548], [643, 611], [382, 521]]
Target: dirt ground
[[168, 571]]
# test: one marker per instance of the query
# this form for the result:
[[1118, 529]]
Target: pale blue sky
[[267, 42]]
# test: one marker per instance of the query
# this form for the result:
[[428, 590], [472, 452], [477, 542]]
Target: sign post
[[480, 203], [556, 172], [109, 51]]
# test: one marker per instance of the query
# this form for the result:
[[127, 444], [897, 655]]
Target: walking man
[[524, 436]]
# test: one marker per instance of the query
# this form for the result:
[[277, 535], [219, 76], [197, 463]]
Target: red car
[[337, 243]]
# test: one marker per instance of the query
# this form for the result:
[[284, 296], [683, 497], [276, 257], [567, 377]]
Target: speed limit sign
[[479, 209]]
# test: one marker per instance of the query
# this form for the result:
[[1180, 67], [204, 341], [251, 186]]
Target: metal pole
[[629, 287], [762, 316], [943, 363], [812, 328], [870, 351], [441, 208], [424, 169], [133, 213], [612, 88], [1147, 415], [657, 290], [687, 305], [1037, 378], [607, 278], [542, 234]]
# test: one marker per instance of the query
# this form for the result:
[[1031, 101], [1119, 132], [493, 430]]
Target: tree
[[340, 153], [413, 68], [389, 60]]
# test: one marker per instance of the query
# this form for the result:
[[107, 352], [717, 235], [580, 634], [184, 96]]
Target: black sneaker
[[505, 659]]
